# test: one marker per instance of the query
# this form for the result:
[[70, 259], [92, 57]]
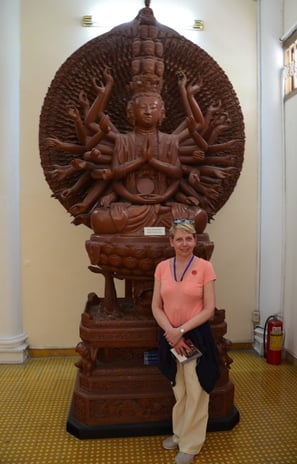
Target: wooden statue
[[138, 127]]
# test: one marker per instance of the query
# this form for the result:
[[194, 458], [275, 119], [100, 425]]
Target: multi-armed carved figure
[[144, 176]]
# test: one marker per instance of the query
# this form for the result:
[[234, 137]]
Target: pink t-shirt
[[182, 300]]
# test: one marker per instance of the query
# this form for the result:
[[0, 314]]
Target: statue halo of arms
[[94, 104]]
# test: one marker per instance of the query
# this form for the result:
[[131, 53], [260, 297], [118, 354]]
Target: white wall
[[55, 278], [271, 160], [290, 14], [290, 296]]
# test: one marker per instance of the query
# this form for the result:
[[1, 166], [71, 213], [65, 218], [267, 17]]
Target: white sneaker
[[184, 458], [169, 443]]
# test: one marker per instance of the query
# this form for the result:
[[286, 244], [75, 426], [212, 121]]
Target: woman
[[183, 303]]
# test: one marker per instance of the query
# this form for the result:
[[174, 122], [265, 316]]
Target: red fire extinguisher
[[274, 339]]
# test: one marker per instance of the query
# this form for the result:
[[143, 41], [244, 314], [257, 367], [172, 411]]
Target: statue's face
[[147, 111]]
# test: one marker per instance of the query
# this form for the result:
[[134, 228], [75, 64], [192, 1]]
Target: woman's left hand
[[173, 336], [181, 347]]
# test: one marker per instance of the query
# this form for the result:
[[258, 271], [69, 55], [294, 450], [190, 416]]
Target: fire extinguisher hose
[[274, 316]]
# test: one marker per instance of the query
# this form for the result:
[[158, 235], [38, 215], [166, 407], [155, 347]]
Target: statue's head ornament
[[147, 63]]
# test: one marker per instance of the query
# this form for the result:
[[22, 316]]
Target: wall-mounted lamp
[[198, 25], [88, 21]]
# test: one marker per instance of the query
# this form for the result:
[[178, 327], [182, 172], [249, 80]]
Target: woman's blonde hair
[[187, 225]]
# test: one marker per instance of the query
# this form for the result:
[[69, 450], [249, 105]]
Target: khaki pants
[[190, 412]]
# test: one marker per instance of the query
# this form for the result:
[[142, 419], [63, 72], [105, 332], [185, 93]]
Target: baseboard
[[51, 352], [241, 346], [290, 358]]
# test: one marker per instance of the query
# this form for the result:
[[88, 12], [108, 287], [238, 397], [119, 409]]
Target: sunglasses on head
[[183, 221]]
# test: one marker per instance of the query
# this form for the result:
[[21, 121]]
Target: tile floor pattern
[[35, 399]]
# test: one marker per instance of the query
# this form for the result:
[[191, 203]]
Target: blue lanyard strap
[[185, 270]]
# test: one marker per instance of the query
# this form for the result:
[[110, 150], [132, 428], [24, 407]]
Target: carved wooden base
[[122, 394], [84, 431], [117, 394]]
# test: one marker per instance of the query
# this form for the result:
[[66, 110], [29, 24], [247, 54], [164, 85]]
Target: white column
[[12, 339], [271, 170]]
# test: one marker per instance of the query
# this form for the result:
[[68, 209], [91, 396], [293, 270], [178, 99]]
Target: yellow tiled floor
[[35, 399]]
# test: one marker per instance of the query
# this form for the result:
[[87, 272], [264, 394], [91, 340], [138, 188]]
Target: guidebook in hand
[[192, 352]]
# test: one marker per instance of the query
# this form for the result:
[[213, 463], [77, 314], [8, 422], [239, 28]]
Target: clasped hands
[[147, 152], [176, 340]]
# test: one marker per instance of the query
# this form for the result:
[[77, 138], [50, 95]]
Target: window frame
[[290, 65]]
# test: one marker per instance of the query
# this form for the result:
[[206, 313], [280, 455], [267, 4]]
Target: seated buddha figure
[[145, 175]]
